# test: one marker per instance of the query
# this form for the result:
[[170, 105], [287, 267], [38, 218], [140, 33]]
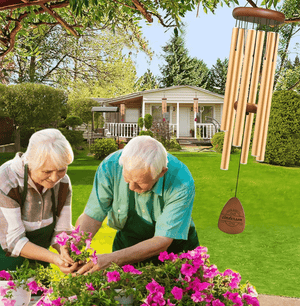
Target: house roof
[[137, 97]]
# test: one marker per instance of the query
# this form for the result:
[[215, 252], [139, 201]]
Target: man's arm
[[130, 255], [88, 224]]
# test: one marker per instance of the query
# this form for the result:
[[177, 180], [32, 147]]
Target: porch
[[204, 131]]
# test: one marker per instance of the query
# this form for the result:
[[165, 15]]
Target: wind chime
[[252, 63], [164, 107]]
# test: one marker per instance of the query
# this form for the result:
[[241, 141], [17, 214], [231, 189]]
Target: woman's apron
[[136, 230], [41, 237]]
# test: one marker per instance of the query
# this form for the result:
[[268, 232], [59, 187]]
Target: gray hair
[[143, 152], [48, 144]]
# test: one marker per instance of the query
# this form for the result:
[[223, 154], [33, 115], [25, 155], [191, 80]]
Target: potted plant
[[15, 286]]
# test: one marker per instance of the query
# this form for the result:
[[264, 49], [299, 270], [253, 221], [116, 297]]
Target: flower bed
[[184, 279]]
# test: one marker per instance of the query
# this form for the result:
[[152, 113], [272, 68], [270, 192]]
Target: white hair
[[144, 152], [48, 144]]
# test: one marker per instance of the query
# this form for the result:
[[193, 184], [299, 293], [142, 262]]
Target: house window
[[204, 111], [157, 113]]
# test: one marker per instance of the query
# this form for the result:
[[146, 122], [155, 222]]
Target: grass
[[267, 253]]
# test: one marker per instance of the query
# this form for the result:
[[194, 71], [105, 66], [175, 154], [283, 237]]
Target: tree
[[180, 68], [217, 77], [33, 106], [146, 81]]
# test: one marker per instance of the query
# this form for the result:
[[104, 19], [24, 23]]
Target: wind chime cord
[[238, 174]]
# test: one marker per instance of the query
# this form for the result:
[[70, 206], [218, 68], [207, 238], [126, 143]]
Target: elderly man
[[147, 195]]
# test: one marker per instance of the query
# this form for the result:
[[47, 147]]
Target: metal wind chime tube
[[243, 75]]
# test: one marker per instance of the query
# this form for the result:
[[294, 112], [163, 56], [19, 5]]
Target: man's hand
[[65, 256], [103, 262]]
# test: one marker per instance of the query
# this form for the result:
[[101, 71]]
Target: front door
[[184, 121]]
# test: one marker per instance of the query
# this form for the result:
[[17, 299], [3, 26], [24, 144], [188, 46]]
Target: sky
[[208, 38]]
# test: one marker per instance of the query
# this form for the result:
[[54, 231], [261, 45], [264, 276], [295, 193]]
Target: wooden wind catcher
[[252, 63]]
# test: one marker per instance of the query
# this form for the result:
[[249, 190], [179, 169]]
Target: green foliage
[[75, 138], [103, 147], [141, 122], [34, 105], [218, 141], [146, 81], [180, 68], [148, 121], [283, 142], [147, 133], [217, 77], [73, 121]]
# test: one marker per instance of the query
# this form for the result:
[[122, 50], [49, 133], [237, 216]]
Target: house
[[180, 111]]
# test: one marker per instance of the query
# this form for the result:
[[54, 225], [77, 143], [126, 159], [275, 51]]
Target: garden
[[265, 254]]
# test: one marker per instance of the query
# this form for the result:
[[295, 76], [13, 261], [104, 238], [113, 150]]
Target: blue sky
[[207, 37]]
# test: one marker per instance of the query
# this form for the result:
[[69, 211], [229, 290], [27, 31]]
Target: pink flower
[[3, 291], [131, 269], [217, 303], [164, 119], [234, 297], [198, 297], [252, 291], [44, 301], [197, 285], [163, 256], [113, 276], [8, 302], [250, 300], [154, 287], [76, 230], [187, 269], [5, 275], [173, 257], [11, 284], [177, 293], [62, 238], [169, 303], [33, 287], [74, 248], [159, 299], [196, 119], [90, 287], [57, 302], [72, 298], [94, 258], [88, 243]]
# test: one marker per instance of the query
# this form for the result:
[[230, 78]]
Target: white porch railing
[[128, 130], [206, 130]]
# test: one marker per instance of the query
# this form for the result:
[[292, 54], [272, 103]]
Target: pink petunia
[[177, 293], [94, 258], [113, 276], [252, 291], [34, 287], [131, 269], [76, 230], [250, 300], [90, 287], [163, 256], [8, 302], [88, 243], [58, 302], [187, 269], [72, 298], [76, 237], [5, 275], [217, 303], [173, 257], [74, 248], [169, 303], [158, 298], [62, 238], [44, 301], [11, 284], [3, 291], [198, 297], [155, 287]]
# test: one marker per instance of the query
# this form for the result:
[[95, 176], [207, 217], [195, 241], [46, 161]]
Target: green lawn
[[267, 253]]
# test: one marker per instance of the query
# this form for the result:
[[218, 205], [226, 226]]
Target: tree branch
[[141, 8], [251, 3], [295, 85]]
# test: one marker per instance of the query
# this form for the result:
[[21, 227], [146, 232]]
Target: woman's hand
[[64, 266], [65, 256]]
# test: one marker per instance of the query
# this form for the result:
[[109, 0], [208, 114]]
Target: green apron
[[41, 237], [136, 230]]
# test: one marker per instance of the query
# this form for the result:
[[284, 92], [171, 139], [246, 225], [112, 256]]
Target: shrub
[[73, 121], [217, 142], [75, 138], [146, 133], [103, 147], [283, 142], [148, 121]]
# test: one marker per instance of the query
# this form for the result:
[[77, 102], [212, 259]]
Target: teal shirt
[[169, 203]]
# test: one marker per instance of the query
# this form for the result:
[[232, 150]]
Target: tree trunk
[[17, 139], [32, 69]]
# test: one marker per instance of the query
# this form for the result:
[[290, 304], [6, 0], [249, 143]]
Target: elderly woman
[[147, 195], [35, 201]]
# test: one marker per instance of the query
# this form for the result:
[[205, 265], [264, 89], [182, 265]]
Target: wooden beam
[[59, 19]]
